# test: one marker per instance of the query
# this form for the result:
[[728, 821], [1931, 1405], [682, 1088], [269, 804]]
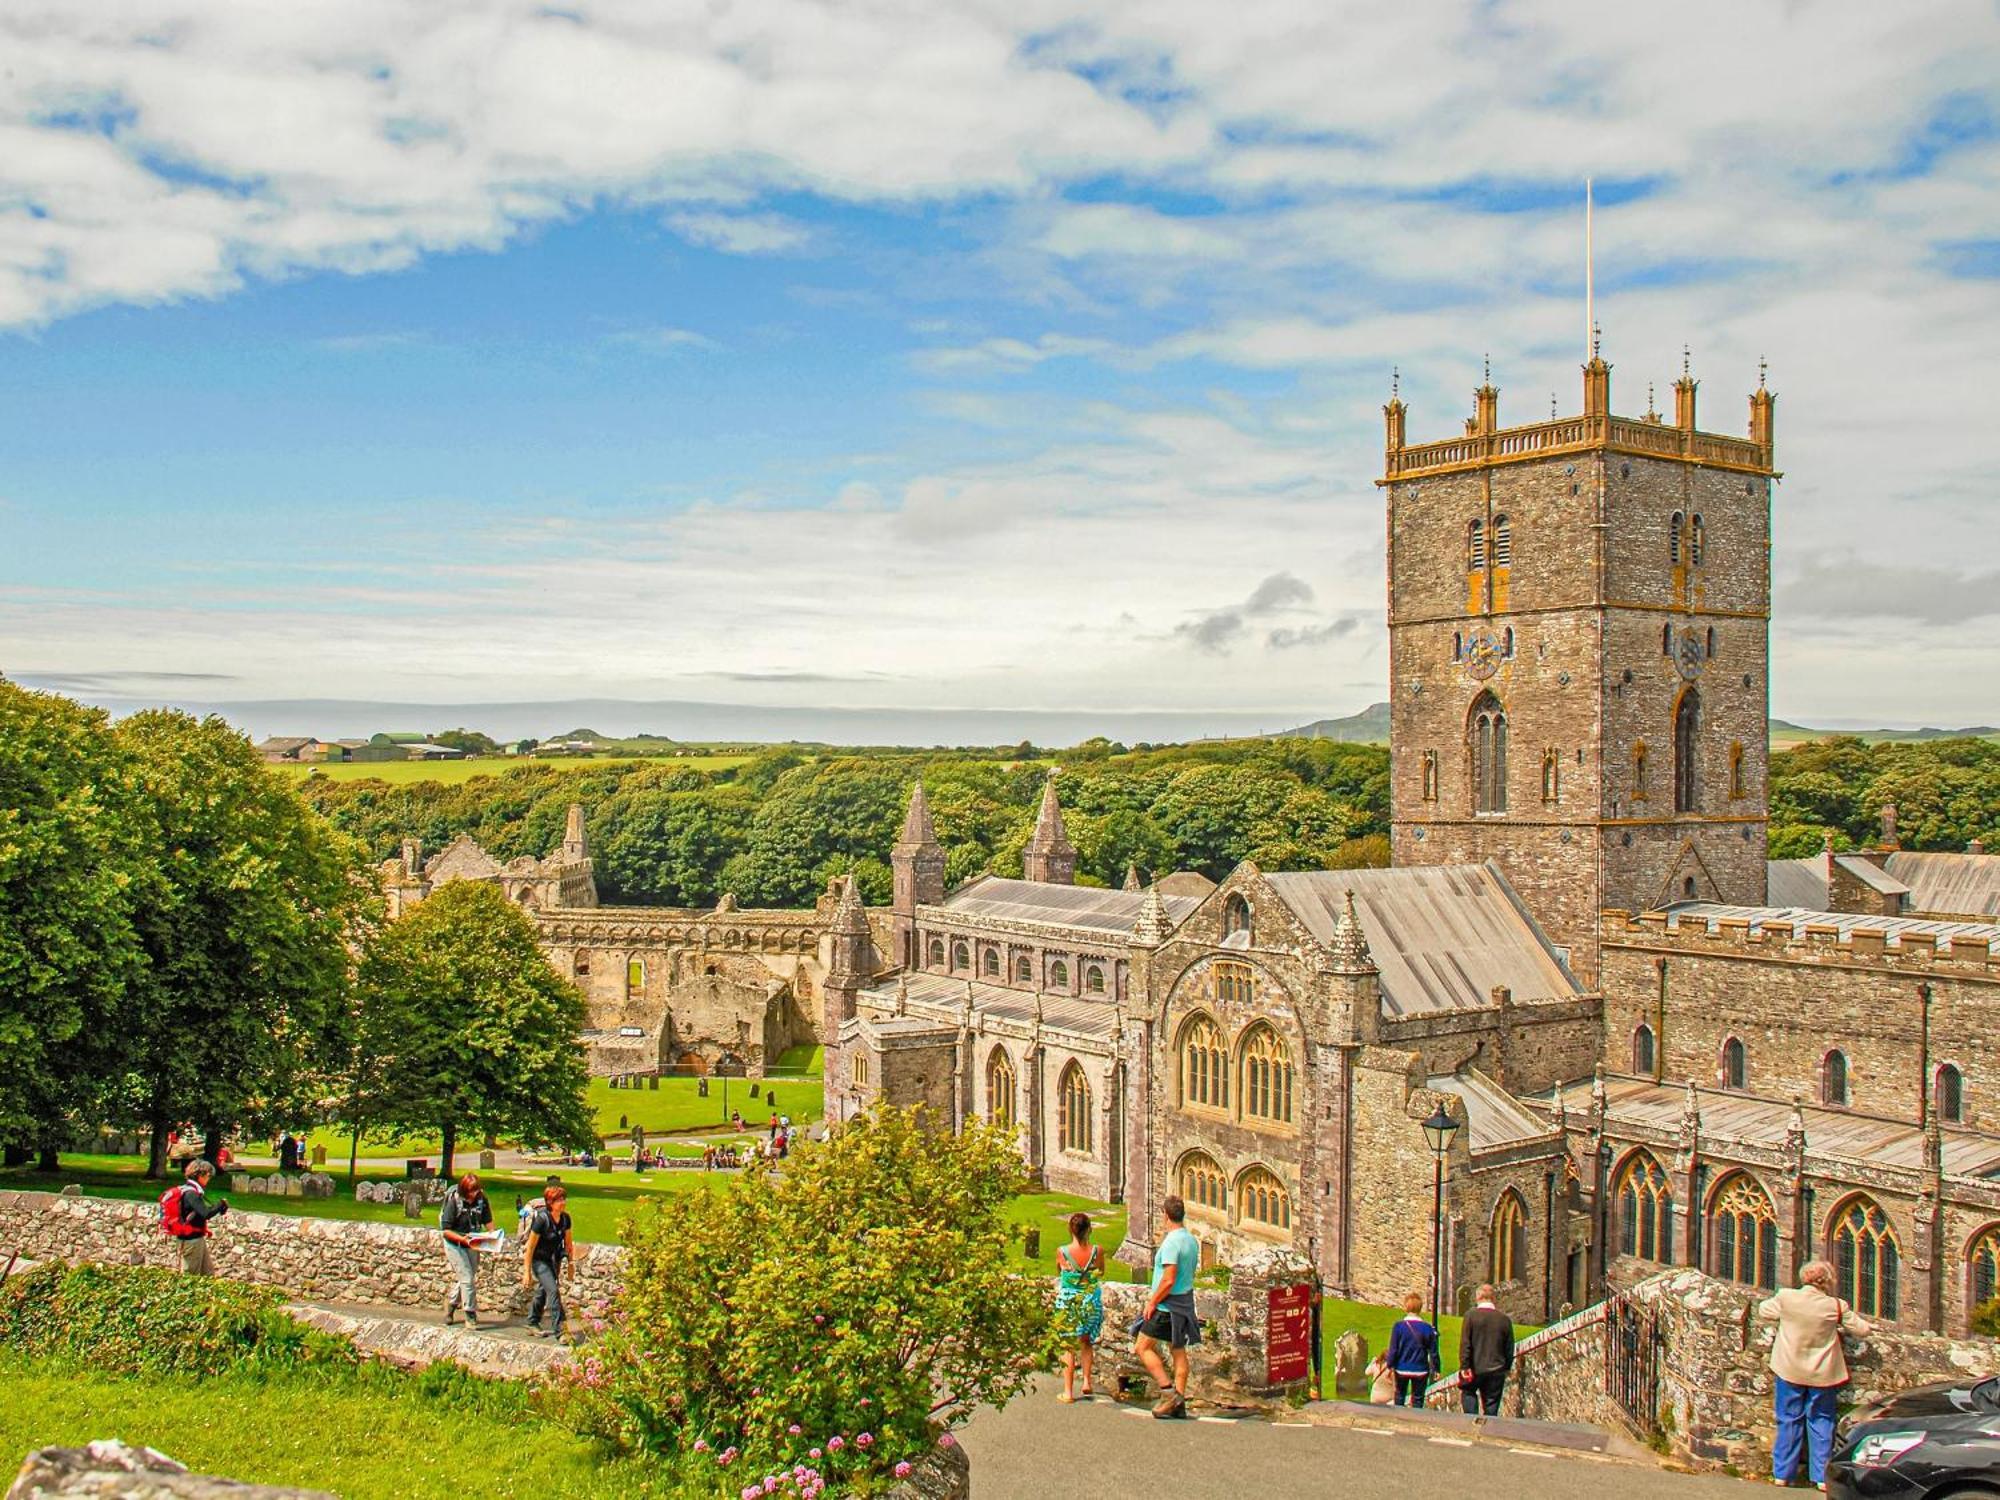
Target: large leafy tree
[[67, 948], [247, 912], [465, 1027]]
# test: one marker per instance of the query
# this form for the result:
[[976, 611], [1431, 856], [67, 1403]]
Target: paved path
[[1038, 1447]]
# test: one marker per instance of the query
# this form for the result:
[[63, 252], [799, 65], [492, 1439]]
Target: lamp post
[[1438, 1131]]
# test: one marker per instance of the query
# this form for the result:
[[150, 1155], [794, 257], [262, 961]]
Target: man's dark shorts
[[1174, 1322]]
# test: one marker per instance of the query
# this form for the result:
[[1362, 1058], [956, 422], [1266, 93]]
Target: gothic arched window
[[1001, 1087], [1674, 529], [1262, 1201], [1507, 1257], [1639, 771], [1950, 1093], [1266, 1076], [989, 963], [1735, 1063], [1833, 1078], [937, 953], [1745, 1233], [1697, 540], [1642, 1049], [1024, 970], [1233, 984], [1486, 735], [1503, 542], [1202, 1186], [1093, 979], [1073, 1110], [1736, 788], [1645, 1209], [1687, 731], [1235, 916], [1551, 776], [1867, 1258], [1059, 975], [1204, 1064], [1475, 545], [1430, 775], [1982, 1267]]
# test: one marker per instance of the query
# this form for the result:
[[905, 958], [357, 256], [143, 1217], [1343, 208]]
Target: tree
[[464, 1026], [869, 1289], [471, 741], [67, 948], [246, 911]]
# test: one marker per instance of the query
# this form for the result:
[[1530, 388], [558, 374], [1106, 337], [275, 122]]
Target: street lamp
[[1438, 1131]]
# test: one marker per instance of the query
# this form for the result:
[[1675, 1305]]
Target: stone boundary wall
[[1229, 1367], [1558, 1376], [311, 1259]]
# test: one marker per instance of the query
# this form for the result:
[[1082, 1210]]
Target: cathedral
[[1655, 1046]]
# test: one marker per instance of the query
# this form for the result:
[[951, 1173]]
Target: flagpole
[[1589, 278]]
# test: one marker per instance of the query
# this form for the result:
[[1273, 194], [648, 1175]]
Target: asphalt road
[[1038, 1449]]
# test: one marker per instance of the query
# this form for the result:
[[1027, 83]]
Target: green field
[[453, 772], [369, 1435]]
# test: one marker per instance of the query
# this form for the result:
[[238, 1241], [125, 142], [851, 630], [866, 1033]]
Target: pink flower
[[752, 1491], [903, 1469], [866, 1440], [770, 1484], [795, 1429], [701, 1445], [864, 1401], [945, 1440], [835, 1443], [814, 1455], [819, 1317]]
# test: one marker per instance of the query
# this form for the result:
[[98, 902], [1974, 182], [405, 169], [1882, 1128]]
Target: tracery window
[[1509, 1253], [1266, 1076], [1745, 1233], [1233, 984], [1645, 1209], [1982, 1264], [1262, 1200], [1204, 1064], [858, 1068], [1202, 1186], [1073, 1110], [1687, 731], [1486, 734], [1642, 1049], [1001, 1087], [1867, 1258], [1833, 1079]]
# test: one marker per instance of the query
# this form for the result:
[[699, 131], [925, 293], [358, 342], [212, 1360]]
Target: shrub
[[137, 1320], [1986, 1318], [824, 1324]]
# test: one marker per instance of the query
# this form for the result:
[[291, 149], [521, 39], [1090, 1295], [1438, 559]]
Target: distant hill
[[1369, 727]]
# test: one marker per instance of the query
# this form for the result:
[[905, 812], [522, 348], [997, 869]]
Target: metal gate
[[1632, 1348]]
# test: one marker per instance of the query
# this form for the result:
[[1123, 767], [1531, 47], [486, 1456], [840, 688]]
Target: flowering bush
[[818, 1328]]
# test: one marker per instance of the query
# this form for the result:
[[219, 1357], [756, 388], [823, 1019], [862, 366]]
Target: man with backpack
[[185, 1213], [466, 1213], [548, 1255]]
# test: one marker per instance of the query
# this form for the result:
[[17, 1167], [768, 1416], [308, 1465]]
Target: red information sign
[[1288, 1334]]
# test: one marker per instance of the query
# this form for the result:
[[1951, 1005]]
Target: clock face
[[1482, 655], [1687, 654]]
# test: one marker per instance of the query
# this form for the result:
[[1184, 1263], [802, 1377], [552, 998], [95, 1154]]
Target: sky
[[949, 355]]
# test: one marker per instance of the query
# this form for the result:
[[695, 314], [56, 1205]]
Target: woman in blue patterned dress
[[1079, 1302]]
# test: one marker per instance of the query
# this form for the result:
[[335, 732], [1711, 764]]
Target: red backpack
[[170, 1213]]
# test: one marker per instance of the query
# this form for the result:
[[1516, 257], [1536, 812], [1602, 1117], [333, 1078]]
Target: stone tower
[[917, 862], [850, 957], [1578, 654], [1050, 857], [575, 846]]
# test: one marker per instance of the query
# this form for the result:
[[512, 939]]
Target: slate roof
[[1079, 906], [940, 998], [1493, 1117], [1443, 936], [1797, 882], [1763, 1122], [1710, 913], [1966, 885]]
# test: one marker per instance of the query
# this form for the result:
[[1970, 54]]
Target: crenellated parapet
[[1963, 950]]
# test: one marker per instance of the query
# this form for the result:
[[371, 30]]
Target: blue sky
[[946, 355]]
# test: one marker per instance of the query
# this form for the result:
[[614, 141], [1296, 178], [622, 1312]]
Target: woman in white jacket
[[1809, 1369]]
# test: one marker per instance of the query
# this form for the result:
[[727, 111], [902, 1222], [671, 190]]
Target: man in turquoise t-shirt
[[1169, 1317]]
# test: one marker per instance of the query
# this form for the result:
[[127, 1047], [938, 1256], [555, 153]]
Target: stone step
[[411, 1340]]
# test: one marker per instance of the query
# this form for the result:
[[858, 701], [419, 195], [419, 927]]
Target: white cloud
[[741, 234], [664, 340]]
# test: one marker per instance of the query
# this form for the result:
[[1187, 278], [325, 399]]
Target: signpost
[[1288, 1334]]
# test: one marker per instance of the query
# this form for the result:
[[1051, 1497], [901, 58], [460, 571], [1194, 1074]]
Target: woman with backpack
[[185, 1213]]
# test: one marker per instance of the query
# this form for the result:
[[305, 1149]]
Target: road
[[1038, 1448]]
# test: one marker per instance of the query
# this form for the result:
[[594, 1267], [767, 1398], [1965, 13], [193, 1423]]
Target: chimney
[[1977, 846], [1889, 826]]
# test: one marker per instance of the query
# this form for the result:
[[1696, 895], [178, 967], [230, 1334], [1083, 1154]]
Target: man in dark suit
[[1485, 1355]]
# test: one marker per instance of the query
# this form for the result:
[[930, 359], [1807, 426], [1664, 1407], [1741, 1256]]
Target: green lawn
[[677, 1104], [378, 1435], [453, 772]]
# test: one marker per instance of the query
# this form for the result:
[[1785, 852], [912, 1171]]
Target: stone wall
[[311, 1259], [1229, 1367]]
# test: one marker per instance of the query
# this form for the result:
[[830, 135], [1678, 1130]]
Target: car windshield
[[1986, 1395]]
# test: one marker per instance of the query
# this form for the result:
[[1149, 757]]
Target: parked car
[[1935, 1442]]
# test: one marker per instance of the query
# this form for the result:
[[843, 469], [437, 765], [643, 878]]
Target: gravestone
[[653, 1082], [701, 1088], [319, 1156], [239, 1182], [1350, 1363], [315, 1185], [486, 1160], [623, 1123], [413, 1201], [604, 1162], [72, 1190]]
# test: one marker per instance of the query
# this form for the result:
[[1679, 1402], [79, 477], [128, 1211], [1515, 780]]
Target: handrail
[[1573, 433]]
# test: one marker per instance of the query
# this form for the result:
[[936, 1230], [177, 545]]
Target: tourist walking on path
[[467, 1212], [1080, 1302], [185, 1213], [1413, 1352], [547, 1257], [1485, 1355], [1810, 1367], [1170, 1317]]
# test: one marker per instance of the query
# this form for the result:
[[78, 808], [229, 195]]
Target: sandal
[[1067, 1399]]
